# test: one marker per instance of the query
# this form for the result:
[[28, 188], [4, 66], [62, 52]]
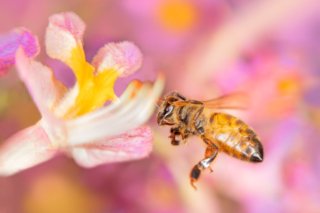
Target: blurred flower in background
[[268, 49]]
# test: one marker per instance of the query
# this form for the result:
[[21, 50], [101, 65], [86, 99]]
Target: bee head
[[166, 108]]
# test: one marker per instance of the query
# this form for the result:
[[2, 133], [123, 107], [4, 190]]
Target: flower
[[75, 121]]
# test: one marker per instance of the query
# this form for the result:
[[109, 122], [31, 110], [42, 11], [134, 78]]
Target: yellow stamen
[[94, 89]]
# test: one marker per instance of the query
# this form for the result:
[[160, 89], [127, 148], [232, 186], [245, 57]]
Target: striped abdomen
[[234, 137]]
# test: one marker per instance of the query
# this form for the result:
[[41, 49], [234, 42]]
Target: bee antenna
[[159, 102]]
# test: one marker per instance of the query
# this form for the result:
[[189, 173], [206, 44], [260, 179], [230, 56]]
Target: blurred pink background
[[206, 48]]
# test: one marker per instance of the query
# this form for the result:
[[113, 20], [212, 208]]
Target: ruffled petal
[[133, 109], [9, 44], [124, 57], [45, 90], [64, 42], [134, 144], [25, 149], [63, 34], [69, 22]]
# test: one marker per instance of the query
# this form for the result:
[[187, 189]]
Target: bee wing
[[230, 101]]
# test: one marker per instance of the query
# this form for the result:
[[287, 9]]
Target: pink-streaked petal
[[135, 144], [125, 57], [9, 44], [63, 34], [132, 110], [45, 90], [25, 149]]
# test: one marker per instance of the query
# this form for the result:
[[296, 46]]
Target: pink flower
[[10, 42], [75, 121]]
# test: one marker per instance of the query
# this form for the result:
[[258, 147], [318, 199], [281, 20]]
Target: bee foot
[[210, 169], [175, 142], [192, 184], [194, 176]]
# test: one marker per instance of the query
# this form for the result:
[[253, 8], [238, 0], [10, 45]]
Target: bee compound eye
[[169, 109]]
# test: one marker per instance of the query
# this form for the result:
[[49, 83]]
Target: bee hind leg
[[210, 154]]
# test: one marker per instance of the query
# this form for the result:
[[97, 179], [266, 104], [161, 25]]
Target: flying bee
[[219, 131]]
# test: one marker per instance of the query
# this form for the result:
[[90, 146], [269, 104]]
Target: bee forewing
[[231, 101]]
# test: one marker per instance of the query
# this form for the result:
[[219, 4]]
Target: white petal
[[43, 87], [127, 113]]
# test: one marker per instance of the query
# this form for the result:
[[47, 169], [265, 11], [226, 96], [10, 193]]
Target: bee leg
[[210, 155], [174, 132], [211, 152], [175, 142]]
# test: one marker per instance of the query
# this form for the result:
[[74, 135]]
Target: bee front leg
[[174, 132], [210, 154]]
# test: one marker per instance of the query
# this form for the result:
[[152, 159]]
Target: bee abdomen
[[250, 150], [236, 138]]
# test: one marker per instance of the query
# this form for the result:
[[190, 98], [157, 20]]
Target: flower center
[[177, 15], [288, 85], [93, 89]]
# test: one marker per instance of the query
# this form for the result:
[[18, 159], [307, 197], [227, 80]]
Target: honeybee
[[219, 131]]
